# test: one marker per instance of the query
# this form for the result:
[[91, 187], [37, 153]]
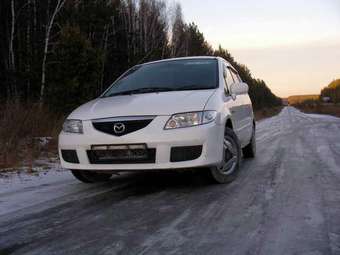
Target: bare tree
[[58, 7], [104, 47], [131, 25], [179, 38], [28, 49], [11, 56], [119, 33]]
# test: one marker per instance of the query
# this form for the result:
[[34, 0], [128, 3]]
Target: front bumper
[[209, 136]]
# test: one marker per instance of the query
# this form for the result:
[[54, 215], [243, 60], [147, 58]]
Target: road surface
[[286, 201]]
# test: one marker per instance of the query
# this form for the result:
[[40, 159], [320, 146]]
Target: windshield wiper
[[194, 87], [157, 89], [141, 91]]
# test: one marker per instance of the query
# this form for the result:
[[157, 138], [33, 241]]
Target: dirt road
[[286, 201]]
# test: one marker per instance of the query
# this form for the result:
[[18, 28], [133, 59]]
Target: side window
[[228, 78]]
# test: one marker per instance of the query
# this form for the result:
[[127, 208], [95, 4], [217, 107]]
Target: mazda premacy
[[173, 114]]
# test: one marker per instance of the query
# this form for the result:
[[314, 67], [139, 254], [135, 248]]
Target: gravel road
[[286, 201]]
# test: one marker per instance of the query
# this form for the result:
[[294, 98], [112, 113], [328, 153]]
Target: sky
[[294, 45]]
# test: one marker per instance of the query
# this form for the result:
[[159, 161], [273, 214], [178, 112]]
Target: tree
[[76, 85], [50, 23], [11, 61], [196, 41], [259, 92], [179, 37], [112, 36], [332, 91]]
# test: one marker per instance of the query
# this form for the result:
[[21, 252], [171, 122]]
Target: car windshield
[[173, 75]]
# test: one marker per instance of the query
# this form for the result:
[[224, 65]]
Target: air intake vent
[[70, 156], [180, 154]]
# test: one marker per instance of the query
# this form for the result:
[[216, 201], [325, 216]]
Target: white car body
[[230, 101]]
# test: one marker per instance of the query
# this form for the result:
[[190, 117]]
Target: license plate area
[[123, 154]]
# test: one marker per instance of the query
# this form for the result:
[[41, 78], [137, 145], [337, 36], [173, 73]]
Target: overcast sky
[[294, 45]]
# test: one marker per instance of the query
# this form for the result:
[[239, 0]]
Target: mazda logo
[[119, 128]]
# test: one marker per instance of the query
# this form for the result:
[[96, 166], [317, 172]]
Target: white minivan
[[173, 114]]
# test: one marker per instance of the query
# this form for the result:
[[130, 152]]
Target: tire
[[90, 177], [227, 171], [250, 150]]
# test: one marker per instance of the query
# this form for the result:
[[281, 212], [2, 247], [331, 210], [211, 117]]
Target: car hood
[[164, 103]]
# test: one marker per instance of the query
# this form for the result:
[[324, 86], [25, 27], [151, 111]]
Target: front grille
[[70, 156], [121, 127], [186, 153], [106, 157]]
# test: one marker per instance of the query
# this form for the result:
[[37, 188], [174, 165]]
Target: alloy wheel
[[230, 157]]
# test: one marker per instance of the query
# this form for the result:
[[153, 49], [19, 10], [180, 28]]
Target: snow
[[285, 201], [22, 189]]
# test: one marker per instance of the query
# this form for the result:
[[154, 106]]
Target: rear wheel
[[227, 171], [90, 177], [250, 150]]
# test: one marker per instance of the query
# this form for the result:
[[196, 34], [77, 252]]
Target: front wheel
[[227, 171], [90, 177]]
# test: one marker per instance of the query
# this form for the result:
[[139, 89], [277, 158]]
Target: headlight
[[190, 119], [73, 126]]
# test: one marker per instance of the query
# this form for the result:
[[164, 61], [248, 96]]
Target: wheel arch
[[229, 124]]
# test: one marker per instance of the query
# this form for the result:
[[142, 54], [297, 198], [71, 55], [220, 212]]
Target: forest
[[61, 53]]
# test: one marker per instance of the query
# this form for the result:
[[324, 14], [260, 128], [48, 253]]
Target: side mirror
[[238, 89]]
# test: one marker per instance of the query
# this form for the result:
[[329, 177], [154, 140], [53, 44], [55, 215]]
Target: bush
[[21, 126]]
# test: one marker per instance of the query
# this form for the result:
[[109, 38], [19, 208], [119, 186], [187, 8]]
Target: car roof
[[182, 58]]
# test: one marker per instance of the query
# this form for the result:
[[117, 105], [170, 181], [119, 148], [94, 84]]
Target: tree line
[[62, 53], [332, 91]]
